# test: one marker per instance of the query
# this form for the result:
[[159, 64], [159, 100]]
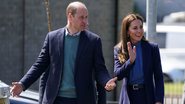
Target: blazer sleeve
[[121, 70], [38, 67], [42, 84], [101, 72], [101, 94], [158, 75]]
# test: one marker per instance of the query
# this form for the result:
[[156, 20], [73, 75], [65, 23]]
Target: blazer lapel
[[144, 56], [61, 46], [81, 45]]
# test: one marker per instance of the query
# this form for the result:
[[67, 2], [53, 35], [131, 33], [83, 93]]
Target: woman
[[137, 62]]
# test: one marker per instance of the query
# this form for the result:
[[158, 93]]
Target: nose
[[85, 20], [87, 23], [140, 30]]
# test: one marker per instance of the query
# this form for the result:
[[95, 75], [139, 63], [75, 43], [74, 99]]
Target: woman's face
[[135, 31]]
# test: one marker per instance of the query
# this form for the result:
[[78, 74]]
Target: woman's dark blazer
[[153, 76], [89, 59]]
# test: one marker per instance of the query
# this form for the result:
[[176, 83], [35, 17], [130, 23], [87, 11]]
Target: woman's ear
[[128, 35]]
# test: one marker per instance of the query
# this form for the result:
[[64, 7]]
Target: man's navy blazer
[[101, 92], [89, 60]]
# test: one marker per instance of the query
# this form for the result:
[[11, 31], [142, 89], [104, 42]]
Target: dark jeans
[[137, 96], [64, 100]]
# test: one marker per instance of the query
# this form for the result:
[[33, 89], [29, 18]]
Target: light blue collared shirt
[[68, 33]]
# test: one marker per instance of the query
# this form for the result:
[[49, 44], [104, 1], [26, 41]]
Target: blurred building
[[164, 7]]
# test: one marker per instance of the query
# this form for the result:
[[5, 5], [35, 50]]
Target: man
[[74, 57]]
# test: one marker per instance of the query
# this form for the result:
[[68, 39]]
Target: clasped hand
[[111, 84]]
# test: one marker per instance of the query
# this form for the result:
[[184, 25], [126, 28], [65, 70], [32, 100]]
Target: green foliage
[[173, 89]]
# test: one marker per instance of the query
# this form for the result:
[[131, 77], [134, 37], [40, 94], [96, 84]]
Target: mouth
[[85, 26], [138, 36]]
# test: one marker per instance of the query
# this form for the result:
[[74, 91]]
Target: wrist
[[23, 87], [131, 61]]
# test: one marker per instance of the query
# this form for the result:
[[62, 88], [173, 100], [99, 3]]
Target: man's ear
[[69, 16]]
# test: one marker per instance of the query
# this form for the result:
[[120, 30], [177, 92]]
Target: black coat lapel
[[61, 46], [144, 56], [81, 45]]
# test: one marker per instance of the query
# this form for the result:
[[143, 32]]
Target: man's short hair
[[73, 6]]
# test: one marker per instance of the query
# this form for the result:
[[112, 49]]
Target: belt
[[136, 86]]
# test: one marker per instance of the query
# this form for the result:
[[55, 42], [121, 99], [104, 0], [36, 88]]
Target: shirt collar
[[75, 34]]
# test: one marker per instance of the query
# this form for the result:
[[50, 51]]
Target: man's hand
[[131, 52], [16, 89], [110, 85]]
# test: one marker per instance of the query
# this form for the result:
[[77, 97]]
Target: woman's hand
[[131, 52], [111, 84]]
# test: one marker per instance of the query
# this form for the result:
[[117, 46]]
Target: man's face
[[80, 20]]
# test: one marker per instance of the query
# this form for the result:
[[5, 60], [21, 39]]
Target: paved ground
[[167, 100]]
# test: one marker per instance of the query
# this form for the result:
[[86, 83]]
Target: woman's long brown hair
[[124, 37]]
